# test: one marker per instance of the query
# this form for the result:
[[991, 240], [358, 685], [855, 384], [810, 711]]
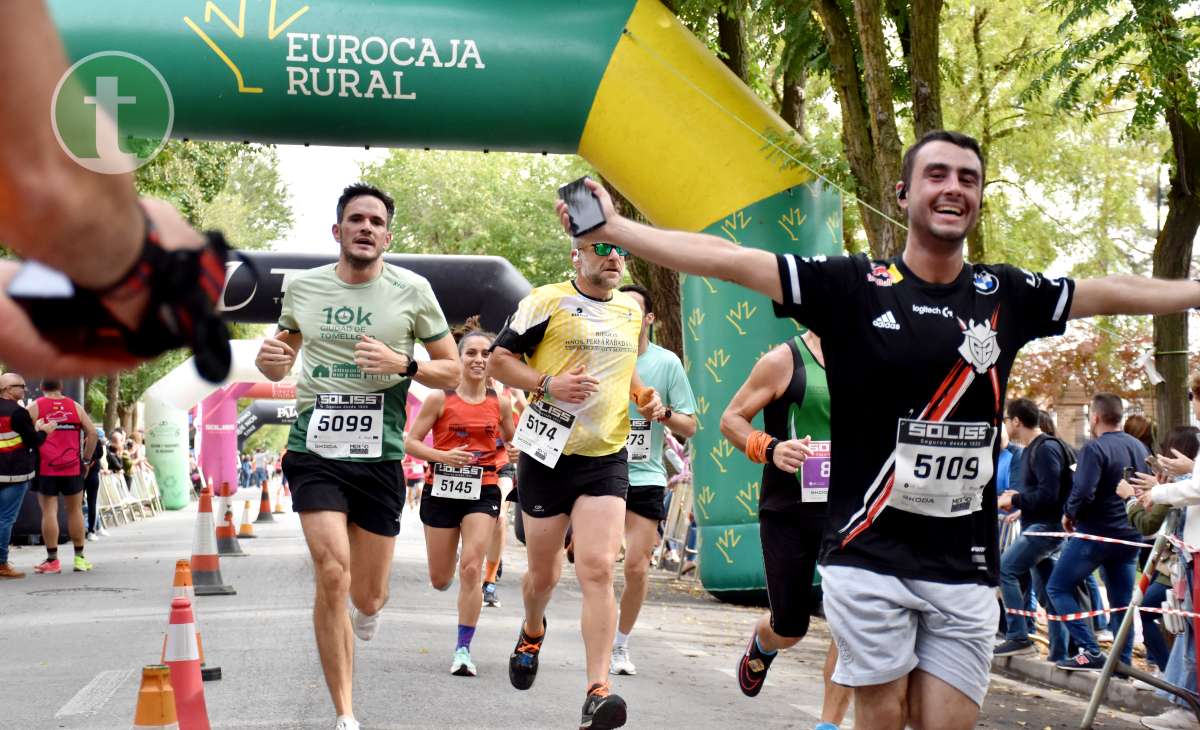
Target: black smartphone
[[582, 206], [1127, 473]]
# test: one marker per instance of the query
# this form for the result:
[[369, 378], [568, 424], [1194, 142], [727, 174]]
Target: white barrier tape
[[1095, 538], [1089, 614]]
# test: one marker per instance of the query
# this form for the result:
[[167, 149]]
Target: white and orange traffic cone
[[246, 530], [205, 563], [183, 657], [182, 588], [264, 509], [279, 510], [156, 700], [227, 543]]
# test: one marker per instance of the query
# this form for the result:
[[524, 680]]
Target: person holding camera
[[1095, 508]]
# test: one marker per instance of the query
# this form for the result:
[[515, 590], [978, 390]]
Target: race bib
[[543, 432], [942, 467], [346, 425], [637, 443], [814, 474], [457, 482]]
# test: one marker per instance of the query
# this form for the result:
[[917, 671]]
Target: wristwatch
[[411, 370]]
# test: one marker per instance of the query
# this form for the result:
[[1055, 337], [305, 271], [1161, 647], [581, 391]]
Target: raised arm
[[444, 369], [690, 253]]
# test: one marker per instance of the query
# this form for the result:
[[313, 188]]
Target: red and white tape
[[1098, 538], [1089, 614]]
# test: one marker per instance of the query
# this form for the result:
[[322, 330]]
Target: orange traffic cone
[[156, 699], [183, 657], [205, 564], [183, 589], [264, 509], [246, 530], [279, 510], [227, 544]]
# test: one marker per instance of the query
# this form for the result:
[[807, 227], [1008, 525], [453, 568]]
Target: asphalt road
[[72, 646]]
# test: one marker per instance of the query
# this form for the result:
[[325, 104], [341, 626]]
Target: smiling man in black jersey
[[909, 557]]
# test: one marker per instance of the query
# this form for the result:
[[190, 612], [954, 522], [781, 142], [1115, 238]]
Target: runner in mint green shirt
[[359, 320], [645, 505]]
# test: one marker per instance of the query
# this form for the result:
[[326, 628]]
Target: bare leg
[[441, 546], [837, 698], [768, 640], [476, 530], [641, 534], [329, 544], [882, 706], [370, 568], [598, 524], [49, 505], [75, 523], [935, 705], [544, 548]]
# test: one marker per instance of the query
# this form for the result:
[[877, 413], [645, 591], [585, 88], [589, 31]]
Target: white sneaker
[[620, 663], [1143, 686], [364, 628], [102, 531], [1173, 719], [91, 537], [1105, 636], [345, 722], [462, 666]]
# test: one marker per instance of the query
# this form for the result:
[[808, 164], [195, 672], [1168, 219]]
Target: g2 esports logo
[[979, 347]]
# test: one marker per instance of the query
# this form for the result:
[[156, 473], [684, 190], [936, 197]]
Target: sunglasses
[[604, 249], [1191, 395]]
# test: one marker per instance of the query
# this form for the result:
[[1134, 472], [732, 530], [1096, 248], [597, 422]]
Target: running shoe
[[1015, 647], [602, 710], [826, 726], [462, 665], [752, 668], [92, 537], [1084, 661], [346, 723], [1176, 718], [490, 598], [523, 662], [102, 531], [81, 564], [48, 566], [364, 626], [620, 663]]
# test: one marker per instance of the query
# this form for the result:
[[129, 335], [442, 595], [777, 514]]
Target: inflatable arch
[[620, 82], [263, 413]]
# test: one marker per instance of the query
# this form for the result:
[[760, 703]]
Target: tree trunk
[[923, 68], [856, 129], [731, 37], [887, 148], [112, 392], [1172, 260], [976, 241], [791, 107], [662, 283]]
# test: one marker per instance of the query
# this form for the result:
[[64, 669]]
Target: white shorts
[[885, 627]]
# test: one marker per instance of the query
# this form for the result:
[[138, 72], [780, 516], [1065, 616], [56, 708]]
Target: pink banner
[[218, 433]]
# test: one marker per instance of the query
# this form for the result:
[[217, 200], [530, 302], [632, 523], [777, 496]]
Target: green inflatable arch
[[620, 82]]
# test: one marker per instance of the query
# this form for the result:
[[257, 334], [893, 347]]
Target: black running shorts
[[545, 492], [58, 486], [447, 512], [790, 544], [647, 501], [370, 493]]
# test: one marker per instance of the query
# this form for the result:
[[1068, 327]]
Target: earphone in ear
[[902, 192]]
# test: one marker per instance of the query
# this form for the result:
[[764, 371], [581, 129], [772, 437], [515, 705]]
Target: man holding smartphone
[[573, 346], [1095, 508]]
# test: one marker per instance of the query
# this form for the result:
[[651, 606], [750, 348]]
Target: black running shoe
[[602, 710], [523, 662], [752, 668]]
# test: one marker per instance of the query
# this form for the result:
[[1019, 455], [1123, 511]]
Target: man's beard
[[597, 280], [356, 260]]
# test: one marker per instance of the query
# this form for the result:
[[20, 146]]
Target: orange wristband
[[756, 447]]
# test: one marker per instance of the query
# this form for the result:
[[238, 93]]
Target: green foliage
[[500, 204], [251, 209], [272, 438], [1146, 51]]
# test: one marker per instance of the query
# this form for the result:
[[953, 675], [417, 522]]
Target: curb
[[1120, 694]]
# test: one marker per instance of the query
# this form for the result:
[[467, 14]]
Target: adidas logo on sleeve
[[886, 321]]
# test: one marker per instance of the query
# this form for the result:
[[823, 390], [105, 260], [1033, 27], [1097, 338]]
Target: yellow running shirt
[[558, 328]]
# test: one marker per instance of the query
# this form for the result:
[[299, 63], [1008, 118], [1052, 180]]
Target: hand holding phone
[[583, 208]]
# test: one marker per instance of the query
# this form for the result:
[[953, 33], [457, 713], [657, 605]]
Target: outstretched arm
[[1133, 295], [690, 253]]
